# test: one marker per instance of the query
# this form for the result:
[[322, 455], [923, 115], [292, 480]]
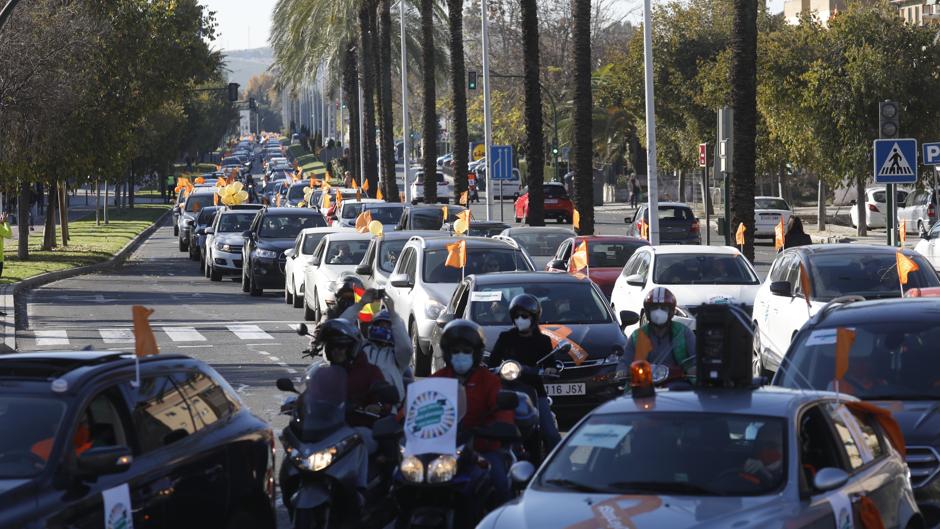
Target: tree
[[367, 83], [461, 147], [429, 125], [261, 87], [535, 144], [386, 119], [582, 149], [744, 102]]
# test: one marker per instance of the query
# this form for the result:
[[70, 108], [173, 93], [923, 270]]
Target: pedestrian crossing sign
[[895, 161]]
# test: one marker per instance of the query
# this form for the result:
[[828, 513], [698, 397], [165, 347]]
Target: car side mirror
[[557, 264], [102, 460], [201, 231], [444, 318], [636, 280], [210, 231], [521, 473], [302, 329], [286, 385], [289, 253], [781, 288], [830, 478], [400, 281], [364, 269], [628, 318], [627, 220]]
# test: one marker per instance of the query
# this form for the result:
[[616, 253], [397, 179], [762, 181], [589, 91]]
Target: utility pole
[[405, 126], [487, 111], [652, 184]]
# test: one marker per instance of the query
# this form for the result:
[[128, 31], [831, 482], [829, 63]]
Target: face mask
[[461, 362], [659, 316], [523, 324]]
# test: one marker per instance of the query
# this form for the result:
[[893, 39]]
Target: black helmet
[[350, 285], [461, 334], [526, 303], [341, 341]]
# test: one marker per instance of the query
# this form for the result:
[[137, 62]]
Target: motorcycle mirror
[[302, 329], [628, 318], [286, 384]]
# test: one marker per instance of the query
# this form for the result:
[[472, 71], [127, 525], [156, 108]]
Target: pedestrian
[[347, 179], [795, 235], [634, 192]]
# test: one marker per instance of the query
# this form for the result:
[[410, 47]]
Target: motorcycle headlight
[[510, 370], [317, 461], [442, 469], [433, 309], [412, 469], [265, 254]]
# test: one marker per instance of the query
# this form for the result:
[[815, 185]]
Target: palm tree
[[461, 147], [744, 102], [582, 139], [351, 96], [367, 83], [535, 148], [429, 132], [386, 134]]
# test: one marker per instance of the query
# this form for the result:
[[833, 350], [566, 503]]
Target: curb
[[11, 318]]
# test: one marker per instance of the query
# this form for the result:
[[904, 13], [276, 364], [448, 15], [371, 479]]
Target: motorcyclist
[[668, 342], [345, 297], [462, 344], [526, 344], [387, 345], [342, 343]]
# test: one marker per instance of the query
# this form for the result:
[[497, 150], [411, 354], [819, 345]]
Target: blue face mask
[[461, 362]]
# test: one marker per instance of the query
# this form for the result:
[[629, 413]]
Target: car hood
[[229, 237], [694, 295], [276, 244], [537, 509], [597, 340], [919, 420]]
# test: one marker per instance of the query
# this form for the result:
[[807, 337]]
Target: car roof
[[323, 229], [364, 201], [847, 249], [672, 205], [408, 234], [898, 310], [694, 250], [523, 277], [538, 229], [347, 235], [434, 243], [608, 238], [302, 211], [770, 401], [436, 207]]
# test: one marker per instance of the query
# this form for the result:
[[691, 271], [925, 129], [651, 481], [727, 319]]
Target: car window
[[36, 421], [386, 214], [196, 202], [702, 269], [846, 428], [935, 231], [673, 214], [770, 203], [235, 222], [410, 266], [870, 435], [161, 415], [486, 231], [643, 265], [208, 401], [540, 243], [479, 261], [817, 444], [871, 275], [206, 216], [455, 297], [389, 252], [340, 252], [879, 196], [427, 220], [288, 226], [564, 251], [351, 210], [318, 252], [610, 254], [310, 242], [555, 192], [778, 272], [296, 192], [562, 303]]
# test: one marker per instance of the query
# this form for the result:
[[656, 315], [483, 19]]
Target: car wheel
[[182, 245], [288, 294], [253, 286], [310, 314], [245, 285], [214, 275], [298, 299], [176, 230], [422, 362]]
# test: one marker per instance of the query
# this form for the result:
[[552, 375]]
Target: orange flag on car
[[220, 182], [576, 220], [326, 201], [362, 222], [401, 196], [739, 236], [354, 184], [339, 198], [277, 200], [457, 254], [379, 195], [902, 232], [444, 213], [365, 185], [200, 180], [906, 265], [844, 340], [779, 235], [804, 284], [464, 197], [358, 195], [579, 259], [465, 215], [145, 343]]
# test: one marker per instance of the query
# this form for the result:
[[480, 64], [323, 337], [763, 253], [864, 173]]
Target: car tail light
[[872, 207], [694, 228], [931, 212]]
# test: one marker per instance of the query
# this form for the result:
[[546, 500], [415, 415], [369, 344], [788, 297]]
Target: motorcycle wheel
[[318, 518]]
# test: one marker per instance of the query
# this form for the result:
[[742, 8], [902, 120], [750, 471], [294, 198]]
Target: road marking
[[263, 353], [291, 370], [191, 346], [274, 359], [249, 332], [184, 334], [116, 335], [55, 337]]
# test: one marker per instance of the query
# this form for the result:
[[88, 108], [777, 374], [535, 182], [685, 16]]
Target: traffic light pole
[[405, 126], [487, 111]]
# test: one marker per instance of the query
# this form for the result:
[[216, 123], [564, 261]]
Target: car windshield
[[770, 203], [235, 222], [611, 254], [196, 202], [342, 252], [870, 275], [886, 361], [352, 210], [385, 213], [693, 454], [433, 219], [702, 269], [388, 254], [555, 192], [288, 226], [479, 261], [562, 303], [36, 422], [311, 242], [541, 243], [673, 214], [296, 192]]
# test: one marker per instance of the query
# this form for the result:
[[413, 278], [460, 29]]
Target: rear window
[[296, 192], [770, 203], [310, 243], [541, 243], [485, 231], [479, 261], [433, 219], [702, 269], [555, 192], [673, 214], [610, 254], [870, 275], [196, 202], [385, 213], [288, 226]]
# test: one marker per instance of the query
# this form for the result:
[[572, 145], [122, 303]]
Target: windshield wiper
[[661, 486], [573, 485]]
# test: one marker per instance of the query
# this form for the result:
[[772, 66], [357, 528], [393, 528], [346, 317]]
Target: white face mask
[[659, 316], [523, 324]]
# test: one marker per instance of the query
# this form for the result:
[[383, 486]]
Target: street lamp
[[651, 171]]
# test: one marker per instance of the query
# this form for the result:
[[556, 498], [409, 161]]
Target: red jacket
[[482, 388], [361, 377]]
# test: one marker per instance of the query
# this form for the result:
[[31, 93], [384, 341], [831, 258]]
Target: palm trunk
[[535, 140], [367, 79], [48, 235], [351, 89], [744, 102], [581, 141], [429, 132], [861, 207], [461, 148], [22, 221], [386, 119]]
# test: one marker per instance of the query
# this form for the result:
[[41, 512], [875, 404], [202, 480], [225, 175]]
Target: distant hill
[[244, 64]]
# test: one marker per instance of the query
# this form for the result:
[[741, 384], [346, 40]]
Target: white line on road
[[184, 334], [54, 337], [263, 353], [249, 332], [191, 346], [291, 370], [274, 359], [117, 335]]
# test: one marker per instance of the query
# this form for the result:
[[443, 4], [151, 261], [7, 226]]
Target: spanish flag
[[779, 235], [368, 311], [457, 254], [906, 265], [579, 259]]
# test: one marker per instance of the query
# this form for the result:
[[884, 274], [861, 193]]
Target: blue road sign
[[896, 161], [502, 162], [932, 153]]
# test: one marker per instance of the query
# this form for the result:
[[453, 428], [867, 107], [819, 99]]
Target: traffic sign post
[[502, 169], [931, 153], [706, 196], [895, 161]]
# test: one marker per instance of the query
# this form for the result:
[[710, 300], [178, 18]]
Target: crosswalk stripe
[[116, 335], [52, 337], [249, 332], [184, 334]]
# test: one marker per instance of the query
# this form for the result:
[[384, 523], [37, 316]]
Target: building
[[823, 9], [918, 12]]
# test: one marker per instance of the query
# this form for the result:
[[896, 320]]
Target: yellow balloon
[[241, 196], [376, 228], [460, 226]]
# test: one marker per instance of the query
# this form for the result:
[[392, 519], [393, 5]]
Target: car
[[224, 240], [176, 442], [426, 217], [198, 199], [479, 228], [573, 310], [350, 209], [272, 231], [876, 206], [919, 211], [335, 257], [607, 255], [834, 271], [295, 194], [540, 242], [927, 246], [767, 214], [197, 233], [383, 252], [677, 224], [444, 191], [892, 363], [298, 259], [330, 212], [388, 213], [558, 204], [684, 459], [510, 187]]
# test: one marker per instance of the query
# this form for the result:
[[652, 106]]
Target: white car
[[388, 213], [929, 246], [444, 192], [919, 211], [767, 214], [336, 256], [876, 206], [383, 253], [224, 241], [696, 275], [298, 258]]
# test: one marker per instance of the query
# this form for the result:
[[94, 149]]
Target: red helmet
[[659, 297]]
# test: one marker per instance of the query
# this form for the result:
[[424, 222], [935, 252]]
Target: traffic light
[[472, 80], [889, 119], [554, 149], [252, 104], [233, 91]]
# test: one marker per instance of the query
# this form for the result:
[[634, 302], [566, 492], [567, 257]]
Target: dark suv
[[273, 231], [79, 432]]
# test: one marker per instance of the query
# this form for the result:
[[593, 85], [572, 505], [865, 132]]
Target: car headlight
[[317, 461], [433, 309], [412, 469], [222, 247], [266, 254], [442, 469], [510, 370], [614, 356]]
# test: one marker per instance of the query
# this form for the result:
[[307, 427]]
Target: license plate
[[564, 390], [773, 216], [551, 201]]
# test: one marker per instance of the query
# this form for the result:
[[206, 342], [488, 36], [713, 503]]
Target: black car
[[79, 429], [428, 217], [677, 224], [202, 197], [892, 363], [573, 310], [273, 231], [197, 232]]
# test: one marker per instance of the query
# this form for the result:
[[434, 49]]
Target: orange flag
[[644, 230], [326, 201], [339, 199], [362, 222], [464, 197], [906, 265], [379, 195], [200, 180], [354, 184], [457, 254], [444, 213], [576, 220], [739, 236], [579, 259], [313, 182], [779, 235], [365, 185], [804, 284], [844, 340], [145, 343], [465, 215], [220, 182], [324, 184], [902, 232], [401, 196], [643, 346]]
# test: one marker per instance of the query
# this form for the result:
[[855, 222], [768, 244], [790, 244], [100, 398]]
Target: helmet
[[459, 335], [660, 297], [341, 341], [526, 303], [350, 284], [381, 333]]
